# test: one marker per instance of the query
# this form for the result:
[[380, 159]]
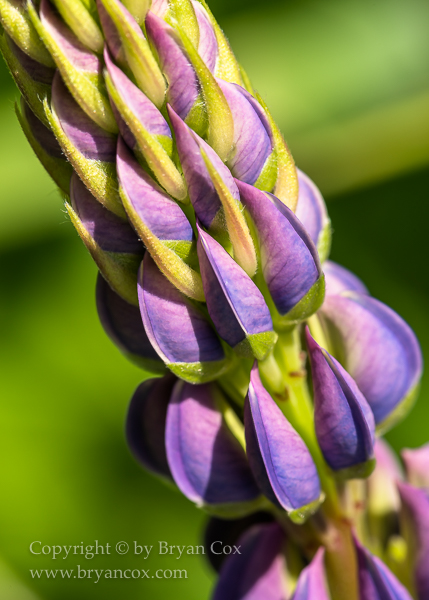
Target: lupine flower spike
[[273, 369]]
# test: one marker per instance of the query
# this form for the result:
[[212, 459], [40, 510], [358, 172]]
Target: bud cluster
[[275, 371]]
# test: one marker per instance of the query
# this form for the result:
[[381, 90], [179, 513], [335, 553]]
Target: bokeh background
[[347, 80]]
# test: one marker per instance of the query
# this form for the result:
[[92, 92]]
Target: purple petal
[[379, 350], [143, 109], [415, 505], [201, 189], [220, 533], [145, 426], [290, 264], [110, 232], [43, 135], [344, 422], [251, 140], [183, 88], [162, 215], [207, 45], [176, 328], [81, 58], [92, 141], [123, 324], [312, 582], [311, 208], [235, 304], [257, 572], [339, 279], [36, 70], [376, 582], [206, 461], [280, 461], [417, 466]]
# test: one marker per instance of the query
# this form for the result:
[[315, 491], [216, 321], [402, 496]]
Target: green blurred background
[[348, 83]]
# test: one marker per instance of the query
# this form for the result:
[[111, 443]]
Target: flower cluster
[[274, 370]]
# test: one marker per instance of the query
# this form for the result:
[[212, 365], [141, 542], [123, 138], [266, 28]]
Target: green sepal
[[180, 274], [185, 249], [399, 412], [360, 471], [138, 8], [79, 19], [236, 224], [307, 306], [324, 242], [257, 345], [302, 514], [227, 67], [236, 510], [286, 187], [139, 56], [220, 121], [199, 372], [34, 92], [268, 176], [59, 169], [99, 177], [153, 151], [88, 89], [118, 269], [182, 12], [18, 25], [197, 118]]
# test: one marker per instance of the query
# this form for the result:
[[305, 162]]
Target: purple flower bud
[[344, 422], [80, 68], [415, 519], [144, 129], [312, 581], [220, 533], [177, 329], [252, 143], [312, 212], [142, 109], [183, 88], [90, 149], [280, 461], [128, 45], [111, 241], [255, 572], [145, 425], [416, 463], [376, 582], [338, 279], [378, 349], [235, 304], [123, 324], [91, 140], [289, 259], [201, 189], [160, 223], [206, 461]]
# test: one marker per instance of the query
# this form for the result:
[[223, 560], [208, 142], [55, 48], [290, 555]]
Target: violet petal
[[280, 460], [339, 279], [377, 348], [206, 461], [344, 422], [312, 581], [257, 571], [145, 425]]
